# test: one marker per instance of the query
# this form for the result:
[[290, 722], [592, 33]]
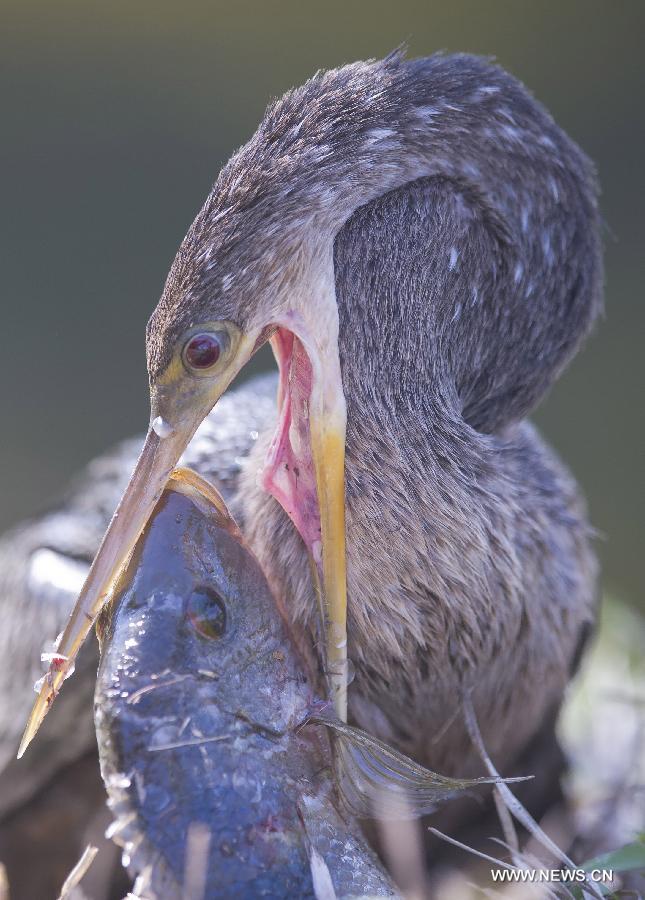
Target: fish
[[227, 775]]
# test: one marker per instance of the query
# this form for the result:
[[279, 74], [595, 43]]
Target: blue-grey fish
[[220, 777]]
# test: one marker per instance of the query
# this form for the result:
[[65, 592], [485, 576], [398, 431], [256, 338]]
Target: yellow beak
[[328, 452], [179, 404]]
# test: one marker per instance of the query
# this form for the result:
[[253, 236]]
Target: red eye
[[203, 350]]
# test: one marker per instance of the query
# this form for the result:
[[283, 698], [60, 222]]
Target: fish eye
[[203, 351], [206, 612]]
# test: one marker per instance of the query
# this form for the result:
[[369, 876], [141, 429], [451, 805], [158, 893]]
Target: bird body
[[460, 296], [470, 566], [427, 239]]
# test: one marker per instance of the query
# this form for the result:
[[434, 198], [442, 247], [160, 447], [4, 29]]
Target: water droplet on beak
[[161, 428]]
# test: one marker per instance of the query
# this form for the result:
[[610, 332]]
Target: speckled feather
[[349, 136], [467, 268], [461, 296]]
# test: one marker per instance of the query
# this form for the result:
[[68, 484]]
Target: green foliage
[[630, 858]]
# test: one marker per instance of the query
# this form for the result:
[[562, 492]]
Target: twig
[[198, 843], [512, 803], [402, 844], [190, 742], [456, 843], [508, 828], [4, 883], [78, 871]]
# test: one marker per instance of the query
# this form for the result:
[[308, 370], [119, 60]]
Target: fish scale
[[198, 729]]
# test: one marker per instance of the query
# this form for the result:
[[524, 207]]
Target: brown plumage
[[467, 270], [431, 238], [469, 558]]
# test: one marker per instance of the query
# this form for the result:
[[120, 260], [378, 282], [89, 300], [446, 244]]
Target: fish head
[[193, 607]]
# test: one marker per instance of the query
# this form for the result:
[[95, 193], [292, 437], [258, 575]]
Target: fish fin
[[374, 780]]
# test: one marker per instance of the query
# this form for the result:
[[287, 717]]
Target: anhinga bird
[[420, 244]]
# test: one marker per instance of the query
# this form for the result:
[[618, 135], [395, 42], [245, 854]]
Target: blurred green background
[[115, 120]]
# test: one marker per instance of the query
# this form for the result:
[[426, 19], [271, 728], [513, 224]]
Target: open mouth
[[304, 471], [289, 471]]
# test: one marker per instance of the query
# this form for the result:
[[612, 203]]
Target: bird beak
[[179, 404], [310, 441], [327, 423]]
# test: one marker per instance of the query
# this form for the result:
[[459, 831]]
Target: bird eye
[[202, 351], [206, 612]]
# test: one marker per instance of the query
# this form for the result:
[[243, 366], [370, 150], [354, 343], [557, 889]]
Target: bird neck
[[503, 272]]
